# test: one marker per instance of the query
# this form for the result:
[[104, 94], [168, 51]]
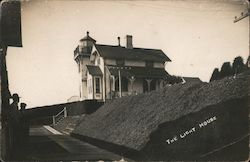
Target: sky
[[197, 35]]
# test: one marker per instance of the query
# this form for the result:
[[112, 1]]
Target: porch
[[126, 81]]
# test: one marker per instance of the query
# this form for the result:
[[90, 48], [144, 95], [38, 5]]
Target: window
[[149, 64], [98, 61], [120, 62], [97, 85], [89, 49], [90, 88], [84, 43], [124, 82]]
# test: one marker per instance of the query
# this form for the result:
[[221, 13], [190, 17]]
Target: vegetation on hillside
[[130, 120], [172, 79], [227, 69]]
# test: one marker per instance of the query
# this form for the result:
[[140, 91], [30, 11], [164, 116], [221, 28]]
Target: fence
[[62, 114]]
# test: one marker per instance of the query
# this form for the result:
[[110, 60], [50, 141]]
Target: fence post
[[54, 120], [65, 112]]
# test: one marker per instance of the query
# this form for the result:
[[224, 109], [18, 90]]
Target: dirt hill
[[131, 122]]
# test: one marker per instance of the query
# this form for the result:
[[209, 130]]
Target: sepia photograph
[[124, 80]]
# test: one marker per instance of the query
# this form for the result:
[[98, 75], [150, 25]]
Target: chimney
[[129, 43], [119, 42]]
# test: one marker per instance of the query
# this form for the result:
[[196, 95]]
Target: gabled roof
[[138, 72], [94, 70], [191, 79], [119, 52]]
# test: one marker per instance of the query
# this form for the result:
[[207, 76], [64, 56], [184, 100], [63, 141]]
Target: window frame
[[98, 91]]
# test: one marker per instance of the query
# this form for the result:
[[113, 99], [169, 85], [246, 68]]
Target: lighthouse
[[82, 58]]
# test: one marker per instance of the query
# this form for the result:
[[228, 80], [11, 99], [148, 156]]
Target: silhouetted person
[[24, 125], [14, 125], [23, 106]]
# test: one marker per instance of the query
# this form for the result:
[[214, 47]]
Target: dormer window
[[149, 63], [120, 62]]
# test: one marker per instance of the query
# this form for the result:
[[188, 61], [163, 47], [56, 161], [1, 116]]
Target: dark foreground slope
[[169, 124]]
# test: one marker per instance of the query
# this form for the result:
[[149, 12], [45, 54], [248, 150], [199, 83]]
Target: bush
[[238, 65], [173, 80], [215, 75], [226, 70]]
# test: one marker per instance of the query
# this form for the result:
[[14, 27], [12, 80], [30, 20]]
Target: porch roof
[[139, 72], [94, 70]]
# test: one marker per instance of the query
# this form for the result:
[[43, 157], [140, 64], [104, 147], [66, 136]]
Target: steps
[[67, 125]]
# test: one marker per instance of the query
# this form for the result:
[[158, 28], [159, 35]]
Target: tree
[[215, 75], [238, 65], [226, 70], [248, 62]]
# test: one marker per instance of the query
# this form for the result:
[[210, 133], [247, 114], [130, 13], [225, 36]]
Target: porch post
[[160, 83], [120, 83], [148, 81], [114, 85], [132, 79]]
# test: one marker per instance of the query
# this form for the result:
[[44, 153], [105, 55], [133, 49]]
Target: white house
[[108, 71]]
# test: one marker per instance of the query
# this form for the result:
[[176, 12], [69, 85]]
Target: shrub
[[238, 65], [173, 79], [215, 75], [226, 70]]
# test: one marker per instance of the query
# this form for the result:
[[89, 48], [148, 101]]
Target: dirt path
[[44, 145]]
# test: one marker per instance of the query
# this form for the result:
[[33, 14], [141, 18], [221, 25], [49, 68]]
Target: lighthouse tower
[[82, 58]]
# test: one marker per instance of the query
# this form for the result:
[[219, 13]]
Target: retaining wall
[[43, 115]]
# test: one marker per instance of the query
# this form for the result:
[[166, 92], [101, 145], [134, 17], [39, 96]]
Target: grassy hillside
[[129, 122]]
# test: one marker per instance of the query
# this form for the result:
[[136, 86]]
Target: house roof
[[87, 37], [119, 52], [94, 70], [139, 72], [192, 79]]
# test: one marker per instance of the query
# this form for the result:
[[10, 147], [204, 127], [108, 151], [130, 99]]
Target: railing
[[115, 94], [62, 114]]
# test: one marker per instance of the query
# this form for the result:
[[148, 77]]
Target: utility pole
[[242, 16], [10, 35], [5, 95]]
